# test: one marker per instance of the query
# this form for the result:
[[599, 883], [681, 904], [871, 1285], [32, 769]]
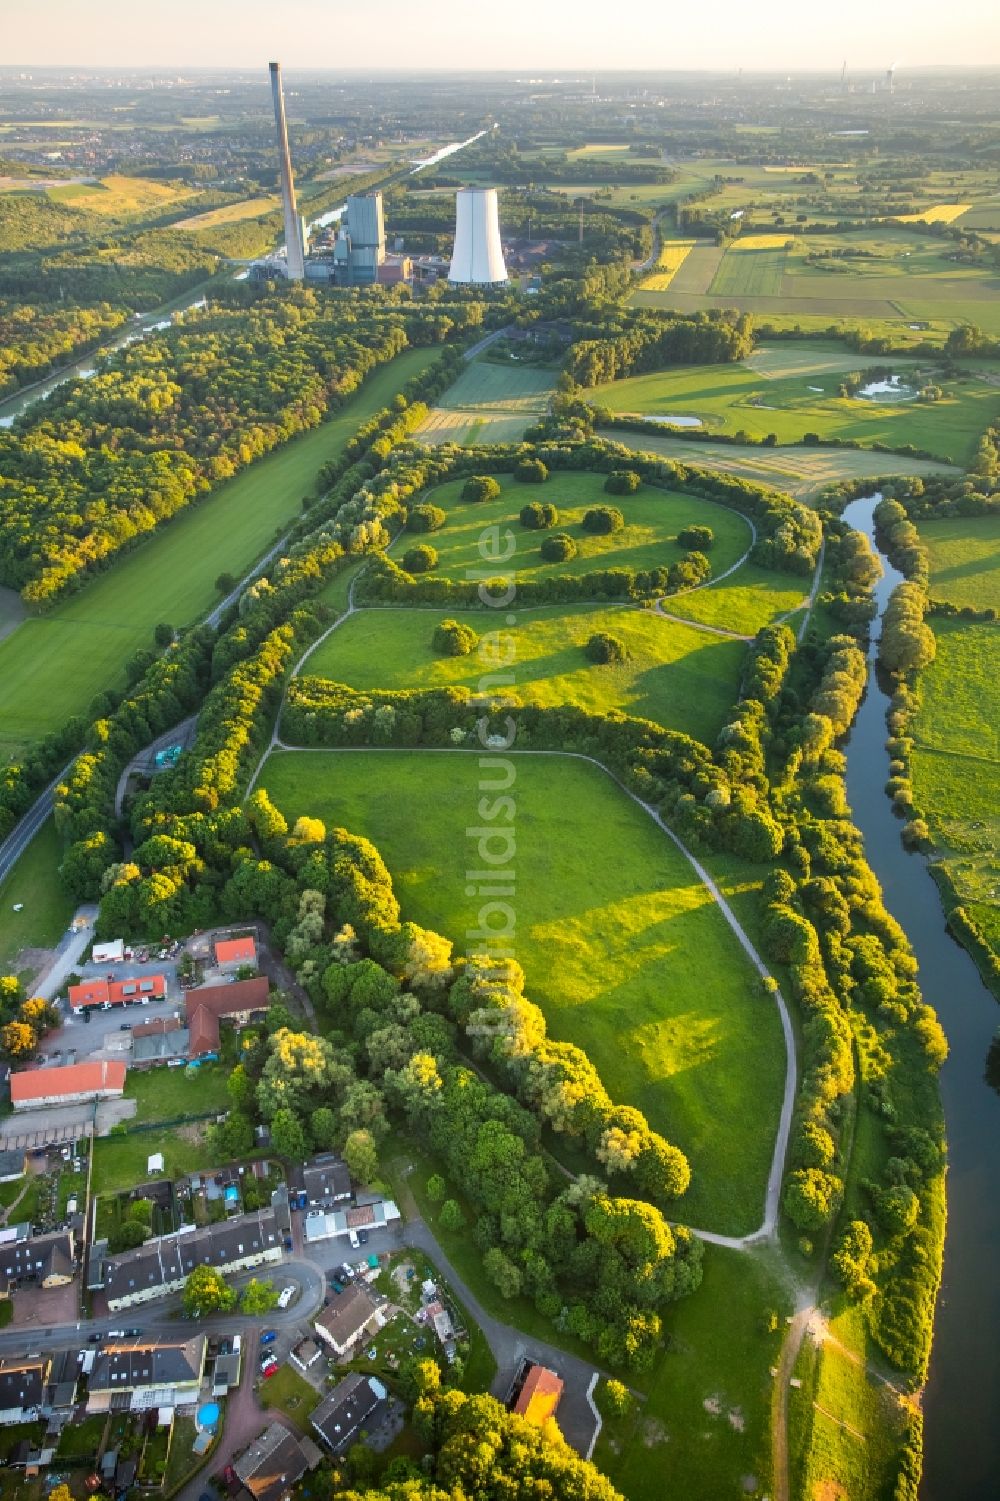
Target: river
[[962, 1399]]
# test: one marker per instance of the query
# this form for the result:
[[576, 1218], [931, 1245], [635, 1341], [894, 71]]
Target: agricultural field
[[800, 471], [489, 403], [230, 213], [670, 258], [956, 755], [683, 679], [703, 1430], [791, 390], [627, 955], [882, 274], [47, 908], [653, 518], [53, 666], [964, 560], [122, 196]]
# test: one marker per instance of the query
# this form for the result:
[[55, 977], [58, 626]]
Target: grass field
[[751, 269], [626, 954], [965, 560], [161, 1094], [47, 908], [52, 666], [652, 520], [800, 471], [956, 755], [489, 404], [793, 390], [230, 213], [671, 257], [119, 195], [703, 1431], [752, 598], [681, 678]]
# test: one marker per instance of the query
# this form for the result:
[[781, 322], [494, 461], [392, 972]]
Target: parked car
[[125, 1027], [352, 1236], [363, 1237], [268, 1337], [335, 1286], [117, 1333], [285, 1296], [269, 1368], [288, 1242], [94, 1339], [229, 1474], [133, 1333]]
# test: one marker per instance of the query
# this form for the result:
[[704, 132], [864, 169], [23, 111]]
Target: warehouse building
[[75, 1084]]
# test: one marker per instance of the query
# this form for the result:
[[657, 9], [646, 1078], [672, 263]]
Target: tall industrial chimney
[[294, 250], [477, 258]]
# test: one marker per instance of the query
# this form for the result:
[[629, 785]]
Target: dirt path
[[779, 1416]]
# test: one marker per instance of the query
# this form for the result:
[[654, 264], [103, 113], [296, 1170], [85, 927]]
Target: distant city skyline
[[519, 35]]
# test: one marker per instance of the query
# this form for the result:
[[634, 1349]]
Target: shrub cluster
[[623, 482], [453, 639], [558, 548], [538, 516], [603, 520], [603, 647], [425, 518]]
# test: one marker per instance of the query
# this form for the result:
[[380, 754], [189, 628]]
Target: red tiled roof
[[98, 992], [75, 1078], [539, 1395], [231, 950], [206, 1007]]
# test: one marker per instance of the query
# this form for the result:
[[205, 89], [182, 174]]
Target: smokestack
[[293, 225], [477, 258]]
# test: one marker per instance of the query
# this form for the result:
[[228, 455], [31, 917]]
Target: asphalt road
[[21, 835]]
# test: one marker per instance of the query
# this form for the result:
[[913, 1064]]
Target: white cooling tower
[[478, 255]]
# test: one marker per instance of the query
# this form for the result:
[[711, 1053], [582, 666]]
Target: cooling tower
[[478, 255], [293, 224]]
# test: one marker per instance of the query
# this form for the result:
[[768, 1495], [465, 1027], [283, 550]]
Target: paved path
[[144, 761], [72, 947]]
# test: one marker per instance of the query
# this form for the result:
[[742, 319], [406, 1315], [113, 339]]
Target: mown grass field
[[626, 953], [703, 1431], [229, 213], [965, 560], [33, 882], [794, 390], [52, 666], [653, 518], [489, 403], [682, 678], [752, 598], [956, 755], [800, 471]]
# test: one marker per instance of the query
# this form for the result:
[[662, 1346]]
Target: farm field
[[754, 267], [488, 404], [800, 471], [52, 666], [964, 560], [704, 1428], [653, 518], [956, 755], [670, 258], [683, 679], [47, 908], [230, 213], [627, 955], [119, 195], [764, 395]]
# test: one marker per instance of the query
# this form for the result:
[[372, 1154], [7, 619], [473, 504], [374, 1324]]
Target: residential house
[[42, 1260], [76, 1084], [61, 1384], [138, 990], [326, 1181], [355, 1403], [344, 1322], [163, 1264], [140, 1374], [22, 1388], [11, 1165], [275, 1462], [232, 954], [539, 1395], [208, 1006], [228, 1364]]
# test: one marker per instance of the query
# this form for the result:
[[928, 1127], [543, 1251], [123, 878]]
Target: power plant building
[[294, 238], [359, 252], [477, 258]]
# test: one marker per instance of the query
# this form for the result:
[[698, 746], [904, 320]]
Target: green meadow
[[682, 678], [964, 560], [34, 886], [53, 665], [653, 517], [794, 390], [621, 944], [489, 403]]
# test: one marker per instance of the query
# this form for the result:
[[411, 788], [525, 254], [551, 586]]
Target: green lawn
[[621, 944], [52, 666], [653, 518], [47, 909], [781, 391], [489, 404], [704, 1429], [965, 560], [956, 755], [682, 678], [161, 1094], [753, 597], [291, 1394], [800, 471], [164, 1093]]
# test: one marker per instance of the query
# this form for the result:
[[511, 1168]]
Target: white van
[[352, 1236]]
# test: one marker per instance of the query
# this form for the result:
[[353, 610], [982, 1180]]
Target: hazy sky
[[518, 34]]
